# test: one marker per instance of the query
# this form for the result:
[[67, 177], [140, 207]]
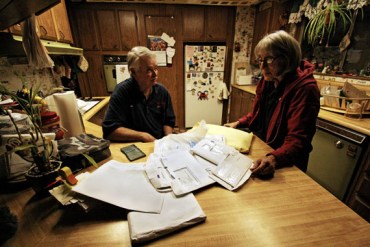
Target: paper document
[[214, 151], [186, 173], [123, 185], [177, 213], [233, 168], [233, 171]]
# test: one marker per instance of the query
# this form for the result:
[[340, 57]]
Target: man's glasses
[[266, 60]]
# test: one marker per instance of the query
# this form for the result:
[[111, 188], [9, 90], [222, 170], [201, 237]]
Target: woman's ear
[[132, 71]]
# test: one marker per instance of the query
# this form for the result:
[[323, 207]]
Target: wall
[[45, 79]]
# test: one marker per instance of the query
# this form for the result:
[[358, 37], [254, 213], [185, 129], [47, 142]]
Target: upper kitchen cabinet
[[108, 30], [62, 26], [84, 23], [217, 23], [270, 16], [52, 24], [15, 11], [201, 23], [193, 23], [46, 26], [128, 29]]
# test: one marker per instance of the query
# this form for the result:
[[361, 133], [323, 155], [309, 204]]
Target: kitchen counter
[[361, 125]]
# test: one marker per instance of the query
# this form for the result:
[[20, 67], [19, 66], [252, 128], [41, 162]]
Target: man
[[140, 108]]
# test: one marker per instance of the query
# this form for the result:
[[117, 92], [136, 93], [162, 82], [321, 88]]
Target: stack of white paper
[[176, 213]]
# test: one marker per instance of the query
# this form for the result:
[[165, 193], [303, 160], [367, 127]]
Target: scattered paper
[[123, 185]]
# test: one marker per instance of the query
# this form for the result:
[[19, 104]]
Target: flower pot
[[41, 181]]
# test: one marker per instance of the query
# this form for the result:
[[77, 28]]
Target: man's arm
[[126, 134], [167, 130]]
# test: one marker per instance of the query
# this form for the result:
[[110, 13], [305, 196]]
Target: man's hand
[[265, 166]]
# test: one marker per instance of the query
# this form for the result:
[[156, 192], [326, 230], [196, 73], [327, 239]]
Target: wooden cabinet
[[46, 26], [241, 104], [62, 26], [108, 30], [87, 36], [52, 24], [269, 18], [193, 23], [359, 199], [217, 25], [128, 29], [201, 23]]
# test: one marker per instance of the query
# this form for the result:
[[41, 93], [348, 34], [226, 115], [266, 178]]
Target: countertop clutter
[[290, 209]]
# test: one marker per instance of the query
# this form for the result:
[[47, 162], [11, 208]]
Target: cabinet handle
[[62, 36], [339, 144], [43, 30]]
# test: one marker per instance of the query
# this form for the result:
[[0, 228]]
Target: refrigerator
[[204, 78]]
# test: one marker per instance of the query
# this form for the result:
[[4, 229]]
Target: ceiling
[[197, 2]]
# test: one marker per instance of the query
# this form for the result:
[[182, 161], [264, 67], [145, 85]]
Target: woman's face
[[270, 66]]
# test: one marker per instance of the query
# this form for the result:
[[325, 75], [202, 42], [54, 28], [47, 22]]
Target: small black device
[[132, 152]]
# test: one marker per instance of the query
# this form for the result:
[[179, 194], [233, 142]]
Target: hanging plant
[[324, 23]]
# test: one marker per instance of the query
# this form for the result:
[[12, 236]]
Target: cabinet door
[[217, 24], [128, 29], [235, 104], [108, 30], [61, 22], [92, 82], [247, 103], [241, 104], [85, 25], [261, 24], [193, 23], [46, 27]]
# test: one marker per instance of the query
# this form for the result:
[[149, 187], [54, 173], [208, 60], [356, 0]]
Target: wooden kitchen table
[[289, 210]]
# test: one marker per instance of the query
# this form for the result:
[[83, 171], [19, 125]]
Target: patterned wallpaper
[[12, 73], [243, 33]]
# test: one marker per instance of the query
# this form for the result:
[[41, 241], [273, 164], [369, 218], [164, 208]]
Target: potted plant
[[34, 147], [323, 24]]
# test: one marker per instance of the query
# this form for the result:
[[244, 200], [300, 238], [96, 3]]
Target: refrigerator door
[[204, 77]]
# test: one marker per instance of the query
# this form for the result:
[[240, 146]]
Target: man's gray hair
[[281, 44], [133, 57]]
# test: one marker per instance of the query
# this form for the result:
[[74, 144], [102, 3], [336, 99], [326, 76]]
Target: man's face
[[147, 74]]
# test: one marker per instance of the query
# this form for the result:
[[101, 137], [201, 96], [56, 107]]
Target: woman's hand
[[232, 124], [265, 166]]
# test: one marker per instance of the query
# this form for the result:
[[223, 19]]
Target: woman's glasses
[[266, 60]]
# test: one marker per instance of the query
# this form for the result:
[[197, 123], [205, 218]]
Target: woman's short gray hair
[[281, 44], [135, 54]]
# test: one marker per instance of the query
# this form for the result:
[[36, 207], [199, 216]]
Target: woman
[[286, 105]]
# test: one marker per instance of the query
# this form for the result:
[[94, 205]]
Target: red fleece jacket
[[292, 125]]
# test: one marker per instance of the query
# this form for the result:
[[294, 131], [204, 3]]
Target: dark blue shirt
[[129, 108]]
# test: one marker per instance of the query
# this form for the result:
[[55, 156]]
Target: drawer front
[[361, 208]]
